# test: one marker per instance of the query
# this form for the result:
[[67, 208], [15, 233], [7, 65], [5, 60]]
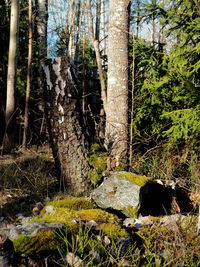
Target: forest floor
[[26, 177]]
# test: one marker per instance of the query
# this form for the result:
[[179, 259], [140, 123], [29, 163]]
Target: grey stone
[[32, 228], [119, 193]]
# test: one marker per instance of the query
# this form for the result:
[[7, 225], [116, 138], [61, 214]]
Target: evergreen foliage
[[167, 97]]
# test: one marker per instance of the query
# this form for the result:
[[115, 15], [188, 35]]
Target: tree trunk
[[138, 19], [117, 87], [8, 142], [98, 20], [28, 79], [97, 53], [42, 16], [65, 125], [71, 51]]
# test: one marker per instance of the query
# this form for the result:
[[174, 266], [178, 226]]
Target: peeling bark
[[65, 125]]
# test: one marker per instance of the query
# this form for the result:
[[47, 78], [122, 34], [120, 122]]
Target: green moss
[[99, 162], [113, 231], [96, 147], [42, 241], [60, 215], [131, 211], [96, 215], [94, 177], [72, 204], [66, 216], [134, 178]]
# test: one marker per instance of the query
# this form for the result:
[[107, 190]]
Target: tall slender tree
[[95, 43], [117, 87], [29, 68], [8, 142], [4, 43]]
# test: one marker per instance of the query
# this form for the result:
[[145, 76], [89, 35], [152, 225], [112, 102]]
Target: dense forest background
[[163, 78]]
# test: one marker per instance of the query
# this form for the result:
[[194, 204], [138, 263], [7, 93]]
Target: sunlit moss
[[66, 216], [98, 161], [60, 215], [42, 241], [72, 203], [96, 215], [134, 178]]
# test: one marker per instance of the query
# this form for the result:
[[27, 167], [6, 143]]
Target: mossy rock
[[72, 203], [43, 242], [67, 216], [95, 215], [121, 192], [139, 180], [60, 215]]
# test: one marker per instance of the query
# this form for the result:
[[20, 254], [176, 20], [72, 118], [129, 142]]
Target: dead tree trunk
[[66, 125]]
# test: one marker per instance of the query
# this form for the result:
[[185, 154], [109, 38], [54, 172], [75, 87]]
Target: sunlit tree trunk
[[103, 29], [29, 67], [117, 87], [8, 142]]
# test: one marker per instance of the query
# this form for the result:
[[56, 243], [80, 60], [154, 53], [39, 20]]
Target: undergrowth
[[170, 162], [151, 246]]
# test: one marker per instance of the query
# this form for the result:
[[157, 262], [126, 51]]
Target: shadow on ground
[[25, 179]]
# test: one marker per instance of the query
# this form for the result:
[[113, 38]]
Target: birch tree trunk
[[28, 79], [8, 142], [65, 125], [117, 87]]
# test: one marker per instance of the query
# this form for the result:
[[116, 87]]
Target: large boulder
[[121, 192]]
